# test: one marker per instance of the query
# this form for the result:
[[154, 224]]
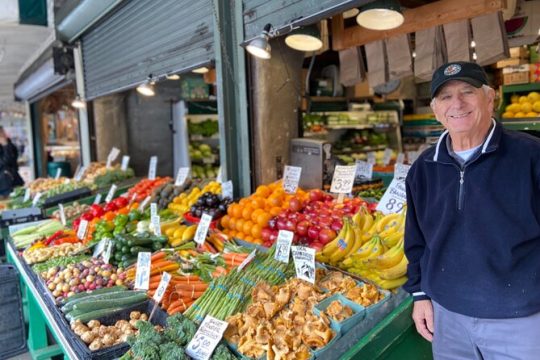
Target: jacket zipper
[[460, 194]]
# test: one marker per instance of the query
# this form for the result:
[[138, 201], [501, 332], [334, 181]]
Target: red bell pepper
[[54, 237]]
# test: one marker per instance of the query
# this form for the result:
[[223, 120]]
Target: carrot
[[193, 287], [234, 256], [160, 263], [158, 256], [169, 267]]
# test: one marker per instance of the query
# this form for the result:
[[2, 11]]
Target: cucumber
[[88, 306], [95, 292], [108, 296], [137, 249], [93, 315], [140, 241]]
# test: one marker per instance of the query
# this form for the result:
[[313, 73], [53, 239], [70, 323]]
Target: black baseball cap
[[469, 72]]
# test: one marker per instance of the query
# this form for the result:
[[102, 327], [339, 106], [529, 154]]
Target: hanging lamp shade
[[259, 47], [380, 15], [78, 103], [307, 38], [146, 89]]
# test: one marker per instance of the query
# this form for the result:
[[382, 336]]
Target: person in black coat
[[9, 169]]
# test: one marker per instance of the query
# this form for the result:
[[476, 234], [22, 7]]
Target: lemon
[[523, 99], [526, 107], [514, 108], [536, 106], [514, 99], [533, 96], [519, 114], [508, 114], [531, 114]]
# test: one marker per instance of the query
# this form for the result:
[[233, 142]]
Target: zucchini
[[108, 296], [94, 292], [88, 306], [137, 249], [93, 315], [141, 241]]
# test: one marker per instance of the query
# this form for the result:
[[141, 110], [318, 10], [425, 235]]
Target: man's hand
[[423, 318]]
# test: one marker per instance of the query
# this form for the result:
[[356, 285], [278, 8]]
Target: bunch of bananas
[[181, 204], [372, 247]]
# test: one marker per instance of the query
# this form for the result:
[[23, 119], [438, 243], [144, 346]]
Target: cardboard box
[[360, 90], [516, 75], [511, 62], [519, 52]]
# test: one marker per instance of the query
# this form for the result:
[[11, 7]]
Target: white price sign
[[401, 171], [181, 176], [304, 263], [162, 287], [343, 180], [112, 156], [394, 198], [97, 199], [58, 173], [219, 176], [35, 201], [156, 224], [291, 178], [108, 251], [202, 229], [206, 338], [247, 260], [80, 173], [283, 246], [152, 168], [142, 273], [26, 195], [387, 156], [153, 209], [144, 203], [125, 163], [412, 156], [62, 214], [100, 247], [371, 158], [364, 170], [110, 194], [400, 158], [81, 232], [227, 189]]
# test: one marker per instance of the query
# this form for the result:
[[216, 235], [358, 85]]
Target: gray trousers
[[459, 337]]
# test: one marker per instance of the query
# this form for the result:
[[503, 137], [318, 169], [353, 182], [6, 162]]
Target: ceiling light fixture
[[147, 88], [173, 77], [201, 70], [473, 43], [350, 13], [78, 103], [380, 15], [259, 47], [306, 38]]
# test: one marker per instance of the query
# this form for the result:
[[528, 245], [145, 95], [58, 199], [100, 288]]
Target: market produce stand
[[40, 317]]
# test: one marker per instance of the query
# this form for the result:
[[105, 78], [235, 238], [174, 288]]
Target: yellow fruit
[[508, 114], [526, 107], [514, 99], [533, 96], [523, 99], [536, 106], [513, 108], [531, 114], [519, 114]]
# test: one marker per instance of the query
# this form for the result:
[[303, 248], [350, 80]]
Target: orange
[[255, 214], [232, 223], [225, 221], [256, 231], [275, 211], [246, 229], [258, 202], [237, 211], [262, 219], [240, 235], [230, 209], [239, 224], [274, 200], [246, 213], [263, 191], [249, 239], [243, 201], [257, 241]]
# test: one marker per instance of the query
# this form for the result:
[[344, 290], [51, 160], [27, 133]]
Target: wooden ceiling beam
[[420, 18]]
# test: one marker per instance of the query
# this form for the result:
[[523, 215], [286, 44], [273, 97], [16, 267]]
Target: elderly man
[[472, 234]]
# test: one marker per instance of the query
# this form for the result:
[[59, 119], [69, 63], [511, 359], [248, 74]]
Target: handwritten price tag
[[387, 156], [412, 156], [100, 247], [110, 194], [227, 189], [80, 173], [36, 199], [394, 198], [291, 178], [156, 224], [112, 156], [81, 232], [144, 203], [206, 338], [371, 158], [182, 176], [153, 209], [62, 214], [108, 251], [304, 263], [401, 171], [247, 260], [343, 180], [202, 229], [142, 273], [162, 287], [364, 170], [97, 199], [125, 163], [152, 168], [400, 158], [283, 246]]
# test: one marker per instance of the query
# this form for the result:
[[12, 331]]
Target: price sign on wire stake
[[219, 176], [62, 214], [110, 194], [304, 263], [26, 195], [202, 229], [181, 176], [400, 171], [371, 158], [97, 199], [400, 158], [247, 260], [283, 246], [227, 189], [291, 178], [394, 197], [162, 287], [153, 209], [156, 224], [36, 199], [58, 173], [412, 156], [81, 232], [206, 338], [112, 156], [144, 203], [80, 173], [364, 170], [100, 247], [125, 163], [142, 273], [343, 180], [108, 251], [152, 168], [387, 156]]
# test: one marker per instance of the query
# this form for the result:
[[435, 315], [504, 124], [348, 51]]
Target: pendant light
[[147, 88], [173, 77], [78, 103], [380, 15], [201, 70], [259, 47], [306, 38]]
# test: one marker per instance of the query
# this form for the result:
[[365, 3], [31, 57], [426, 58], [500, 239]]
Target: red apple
[[302, 227], [281, 224], [315, 195], [265, 234], [313, 232], [336, 225], [326, 235], [316, 245]]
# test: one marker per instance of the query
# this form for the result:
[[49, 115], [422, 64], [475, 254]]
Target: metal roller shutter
[[145, 37]]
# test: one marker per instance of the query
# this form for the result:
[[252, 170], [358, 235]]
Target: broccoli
[[171, 351], [223, 353], [146, 344], [180, 329]]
